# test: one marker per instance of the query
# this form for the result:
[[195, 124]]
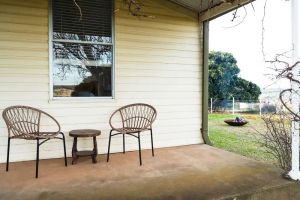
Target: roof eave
[[219, 8]]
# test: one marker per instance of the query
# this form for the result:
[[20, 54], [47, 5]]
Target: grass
[[241, 140]]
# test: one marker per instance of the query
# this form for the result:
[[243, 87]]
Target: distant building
[[270, 95], [270, 100]]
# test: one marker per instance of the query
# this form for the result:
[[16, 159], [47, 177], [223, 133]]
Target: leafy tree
[[224, 82]]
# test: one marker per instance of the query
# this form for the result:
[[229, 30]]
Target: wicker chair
[[135, 118], [27, 123]]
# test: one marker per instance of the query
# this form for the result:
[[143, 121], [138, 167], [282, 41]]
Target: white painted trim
[[50, 49], [82, 100], [82, 42], [295, 9], [113, 78]]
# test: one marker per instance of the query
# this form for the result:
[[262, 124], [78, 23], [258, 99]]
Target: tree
[[224, 82]]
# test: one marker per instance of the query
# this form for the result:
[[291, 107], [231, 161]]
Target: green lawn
[[242, 140]]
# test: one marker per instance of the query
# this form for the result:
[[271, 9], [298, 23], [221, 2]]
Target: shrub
[[277, 138]]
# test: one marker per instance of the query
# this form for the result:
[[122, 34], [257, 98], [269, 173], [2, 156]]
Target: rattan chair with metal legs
[[135, 119], [24, 122]]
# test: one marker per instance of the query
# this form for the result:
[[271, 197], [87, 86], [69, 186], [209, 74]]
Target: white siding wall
[[158, 61]]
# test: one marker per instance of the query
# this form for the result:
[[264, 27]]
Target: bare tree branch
[[135, 8], [80, 12]]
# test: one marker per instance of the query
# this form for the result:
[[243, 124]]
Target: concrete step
[[289, 191]]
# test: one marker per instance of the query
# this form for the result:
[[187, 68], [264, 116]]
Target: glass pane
[[82, 70]]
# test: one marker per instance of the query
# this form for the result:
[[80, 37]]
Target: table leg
[[74, 151], [95, 150]]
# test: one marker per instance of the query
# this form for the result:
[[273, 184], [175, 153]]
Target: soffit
[[198, 5]]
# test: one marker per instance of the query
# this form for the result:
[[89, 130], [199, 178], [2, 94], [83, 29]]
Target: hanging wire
[[80, 12]]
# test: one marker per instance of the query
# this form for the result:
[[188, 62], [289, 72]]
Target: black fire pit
[[236, 122]]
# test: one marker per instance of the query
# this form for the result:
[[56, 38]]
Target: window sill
[[82, 100]]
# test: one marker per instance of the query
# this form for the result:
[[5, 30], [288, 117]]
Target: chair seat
[[34, 136], [128, 130], [47, 135]]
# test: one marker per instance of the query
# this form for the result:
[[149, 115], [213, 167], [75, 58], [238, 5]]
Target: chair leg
[[123, 143], [7, 158], [37, 159], [109, 145], [140, 153], [152, 142], [65, 153]]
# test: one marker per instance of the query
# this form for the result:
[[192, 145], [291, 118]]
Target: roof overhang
[[209, 9], [198, 5]]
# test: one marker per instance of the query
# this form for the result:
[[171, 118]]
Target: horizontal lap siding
[[158, 61]]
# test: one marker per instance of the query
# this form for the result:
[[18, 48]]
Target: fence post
[[211, 111], [233, 105], [260, 107]]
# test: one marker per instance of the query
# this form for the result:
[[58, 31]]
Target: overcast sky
[[244, 40]]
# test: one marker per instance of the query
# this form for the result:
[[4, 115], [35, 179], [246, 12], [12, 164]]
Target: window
[[82, 47]]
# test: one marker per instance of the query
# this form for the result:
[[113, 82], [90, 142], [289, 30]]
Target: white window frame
[[50, 36]]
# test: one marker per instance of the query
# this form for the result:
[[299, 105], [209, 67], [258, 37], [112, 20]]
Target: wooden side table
[[83, 133]]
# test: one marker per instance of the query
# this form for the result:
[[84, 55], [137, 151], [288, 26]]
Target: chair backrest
[[136, 116], [25, 122]]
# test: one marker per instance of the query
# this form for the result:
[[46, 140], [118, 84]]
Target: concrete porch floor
[[187, 172]]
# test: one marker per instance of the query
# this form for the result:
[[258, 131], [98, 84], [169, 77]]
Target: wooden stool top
[[84, 133]]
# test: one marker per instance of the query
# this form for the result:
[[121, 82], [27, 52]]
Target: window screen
[[82, 48]]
